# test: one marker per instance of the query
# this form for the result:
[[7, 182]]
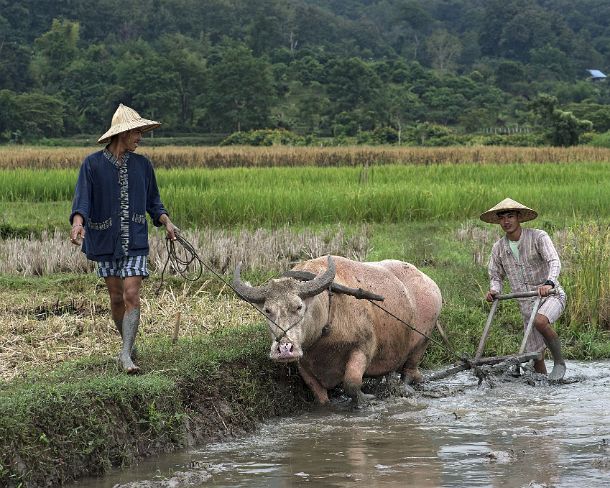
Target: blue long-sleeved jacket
[[97, 199]]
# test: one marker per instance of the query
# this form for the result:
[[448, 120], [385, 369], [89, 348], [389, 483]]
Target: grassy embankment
[[422, 214]]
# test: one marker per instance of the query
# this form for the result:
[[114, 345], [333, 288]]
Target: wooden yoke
[[358, 293]]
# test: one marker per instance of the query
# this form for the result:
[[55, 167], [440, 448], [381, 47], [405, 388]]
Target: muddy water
[[515, 433]]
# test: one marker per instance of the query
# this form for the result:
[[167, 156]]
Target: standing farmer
[[527, 257], [115, 189]]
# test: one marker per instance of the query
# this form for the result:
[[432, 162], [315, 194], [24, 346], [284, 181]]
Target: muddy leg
[[314, 385], [554, 344], [352, 379], [410, 370], [119, 326], [125, 297], [131, 323]]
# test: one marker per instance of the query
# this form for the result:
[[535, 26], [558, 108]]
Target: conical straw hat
[[525, 213], [125, 119]]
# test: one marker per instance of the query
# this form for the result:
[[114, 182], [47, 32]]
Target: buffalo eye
[[299, 307], [267, 310]]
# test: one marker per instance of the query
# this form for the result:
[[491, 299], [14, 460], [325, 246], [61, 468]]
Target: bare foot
[[559, 370], [127, 365]]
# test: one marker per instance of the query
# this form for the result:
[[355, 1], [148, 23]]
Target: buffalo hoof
[[363, 400]]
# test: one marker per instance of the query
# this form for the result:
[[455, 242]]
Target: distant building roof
[[595, 73]]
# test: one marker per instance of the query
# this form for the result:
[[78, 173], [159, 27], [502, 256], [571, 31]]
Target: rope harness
[[181, 265]]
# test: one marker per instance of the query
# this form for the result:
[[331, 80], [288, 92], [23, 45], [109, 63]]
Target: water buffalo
[[350, 338]]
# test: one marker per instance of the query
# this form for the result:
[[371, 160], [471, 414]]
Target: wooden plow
[[513, 359]]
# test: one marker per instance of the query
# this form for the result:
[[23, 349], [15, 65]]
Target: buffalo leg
[[352, 379], [410, 370], [314, 385]]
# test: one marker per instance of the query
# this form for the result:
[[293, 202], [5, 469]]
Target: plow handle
[[521, 294]]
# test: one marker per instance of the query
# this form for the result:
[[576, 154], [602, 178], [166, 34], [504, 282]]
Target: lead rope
[[447, 347]]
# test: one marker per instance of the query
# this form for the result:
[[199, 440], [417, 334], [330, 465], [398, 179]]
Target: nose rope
[[325, 329], [284, 331]]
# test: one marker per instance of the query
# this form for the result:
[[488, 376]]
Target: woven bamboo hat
[[506, 205], [125, 119]]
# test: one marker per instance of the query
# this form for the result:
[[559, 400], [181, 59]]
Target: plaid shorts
[[124, 267], [552, 307]]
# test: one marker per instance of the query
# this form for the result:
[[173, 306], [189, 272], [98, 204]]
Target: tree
[[149, 83], [186, 59], [7, 113], [404, 107], [444, 50], [561, 128], [352, 84], [240, 90], [54, 51], [38, 115]]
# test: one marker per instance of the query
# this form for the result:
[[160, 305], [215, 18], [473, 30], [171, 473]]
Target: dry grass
[[35, 333], [260, 249], [481, 240], [13, 157]]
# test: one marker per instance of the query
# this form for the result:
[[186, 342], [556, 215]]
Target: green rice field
[[312, 195]]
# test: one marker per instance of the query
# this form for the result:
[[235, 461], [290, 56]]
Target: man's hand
[[171, 229], [491, 294], [77, 234], [544, 290]]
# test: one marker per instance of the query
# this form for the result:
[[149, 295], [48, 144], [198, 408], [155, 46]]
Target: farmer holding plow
[[527, 257]]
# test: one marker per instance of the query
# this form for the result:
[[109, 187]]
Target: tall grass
[[13, 157], [588, 274], [308, 195]]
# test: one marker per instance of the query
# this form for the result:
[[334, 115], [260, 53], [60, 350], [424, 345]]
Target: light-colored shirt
[[538, 262], [514, 247]]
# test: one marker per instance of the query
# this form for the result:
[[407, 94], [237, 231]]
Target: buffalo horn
[[252, 294], [319, 283]]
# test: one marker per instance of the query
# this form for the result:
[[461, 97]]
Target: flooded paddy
[[454, 433]]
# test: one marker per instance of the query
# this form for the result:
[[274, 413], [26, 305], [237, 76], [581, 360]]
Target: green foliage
[[310, 195], [428, 134], [268, 137], [600, 140], [323, 69], [562, 128], [240, 90]]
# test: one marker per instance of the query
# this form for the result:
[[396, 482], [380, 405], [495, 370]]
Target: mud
[[497, 429]]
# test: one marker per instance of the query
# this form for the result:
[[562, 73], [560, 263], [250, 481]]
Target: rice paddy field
[[267, 208], [287, 204]]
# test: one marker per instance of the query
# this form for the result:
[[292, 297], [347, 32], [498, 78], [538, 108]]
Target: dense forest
[[417, 69]]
